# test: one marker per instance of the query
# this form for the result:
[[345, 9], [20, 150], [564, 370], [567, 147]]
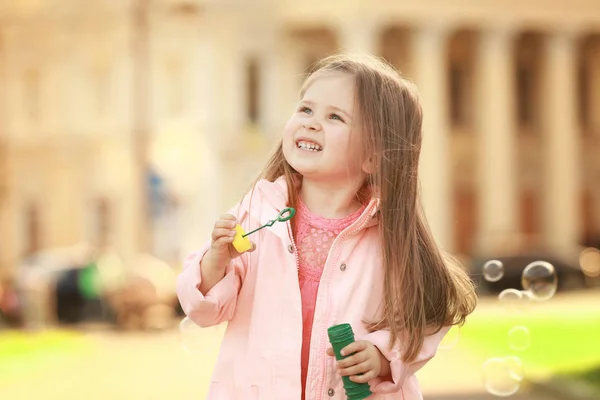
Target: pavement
[[153, 365]]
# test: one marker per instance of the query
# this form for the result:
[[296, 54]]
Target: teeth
[[309, 146]]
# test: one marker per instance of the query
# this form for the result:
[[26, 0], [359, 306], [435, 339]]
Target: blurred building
[[113, 110]]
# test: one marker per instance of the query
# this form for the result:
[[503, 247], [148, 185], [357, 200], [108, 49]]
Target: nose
[[311, 125]]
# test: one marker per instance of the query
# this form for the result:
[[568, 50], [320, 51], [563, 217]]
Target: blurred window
[[32, 229], [103, 212], [31, 83], [528, 70], [457, 95], [176, 87], [252, 91]]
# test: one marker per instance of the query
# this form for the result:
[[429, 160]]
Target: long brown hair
[[424, 289]]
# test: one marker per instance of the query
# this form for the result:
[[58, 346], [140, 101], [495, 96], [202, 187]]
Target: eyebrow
[[311, 103]]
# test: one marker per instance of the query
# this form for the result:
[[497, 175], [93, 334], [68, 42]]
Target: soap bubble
[[539, 279], [493, 270], [526, 298], [589, 260], [514, 300], [510, 298], [451, 338], [515, 367], [519, 338], [498, 377]]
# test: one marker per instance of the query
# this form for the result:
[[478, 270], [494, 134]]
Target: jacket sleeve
[[218, 305], [401, 370]]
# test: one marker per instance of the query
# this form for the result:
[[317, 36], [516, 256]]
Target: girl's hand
[[216, 259], [221, 250], [367, 360]]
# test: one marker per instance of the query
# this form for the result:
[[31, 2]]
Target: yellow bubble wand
[[241, 242]]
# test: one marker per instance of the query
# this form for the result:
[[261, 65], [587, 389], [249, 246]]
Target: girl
[[358, 251]]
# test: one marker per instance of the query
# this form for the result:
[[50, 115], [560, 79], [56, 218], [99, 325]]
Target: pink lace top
[[314, 237]]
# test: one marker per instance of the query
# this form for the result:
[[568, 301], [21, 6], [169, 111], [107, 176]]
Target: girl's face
[[322, 139]]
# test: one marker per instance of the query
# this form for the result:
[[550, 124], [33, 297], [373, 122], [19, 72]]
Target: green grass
[[564, 341], [591, 377], [25, 353]]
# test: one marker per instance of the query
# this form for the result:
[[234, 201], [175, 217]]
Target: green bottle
[[341, 336]]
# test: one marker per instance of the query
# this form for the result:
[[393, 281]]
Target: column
[[594, 125], [594, 90], [497, 190], [561, 145], [6, 232], [429, 60], [228, 116], [281, 77], [359, 35], [7, 212], [228, 98]]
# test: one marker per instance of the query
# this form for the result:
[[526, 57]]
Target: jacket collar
[[276, 194]]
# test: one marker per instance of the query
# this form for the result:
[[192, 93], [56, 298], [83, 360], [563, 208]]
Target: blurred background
[[127, 126]]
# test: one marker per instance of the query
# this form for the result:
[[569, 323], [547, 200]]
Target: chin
[[304, 170]]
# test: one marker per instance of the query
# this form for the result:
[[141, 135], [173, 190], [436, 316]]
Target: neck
[[329, 201]]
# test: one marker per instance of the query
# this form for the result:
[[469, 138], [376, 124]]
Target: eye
[[336, 117], [305, 110]]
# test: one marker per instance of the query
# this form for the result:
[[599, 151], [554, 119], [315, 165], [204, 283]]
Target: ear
[[369, 166]]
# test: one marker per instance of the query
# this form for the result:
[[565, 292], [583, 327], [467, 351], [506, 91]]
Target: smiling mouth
[[308, 146]]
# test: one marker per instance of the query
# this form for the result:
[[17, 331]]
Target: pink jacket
[[260, 297]]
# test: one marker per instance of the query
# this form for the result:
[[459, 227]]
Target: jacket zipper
[[345, 233], [291, 235], [338, 240]]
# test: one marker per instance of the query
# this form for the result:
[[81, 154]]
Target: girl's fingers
[[223, 241], [354, 347], [354, 359], [222, 223], [370, 375], [356, 369], [222, 232]]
